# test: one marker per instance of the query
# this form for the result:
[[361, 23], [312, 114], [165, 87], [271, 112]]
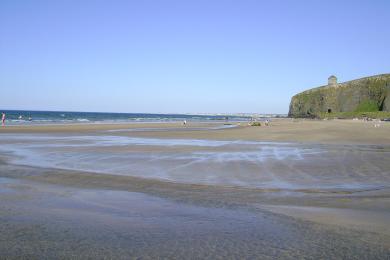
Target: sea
[[21, 117]]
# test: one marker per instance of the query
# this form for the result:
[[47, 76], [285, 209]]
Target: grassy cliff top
[[348, 83]]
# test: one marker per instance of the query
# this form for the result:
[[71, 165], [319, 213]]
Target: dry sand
[[281, 130]]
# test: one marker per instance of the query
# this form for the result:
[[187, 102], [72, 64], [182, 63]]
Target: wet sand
[[332, 204], [134, 217]]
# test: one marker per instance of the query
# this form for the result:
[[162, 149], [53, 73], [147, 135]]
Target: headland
[[356, 98]]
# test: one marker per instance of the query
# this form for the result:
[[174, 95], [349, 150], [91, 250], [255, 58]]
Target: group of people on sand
[[254, 122]]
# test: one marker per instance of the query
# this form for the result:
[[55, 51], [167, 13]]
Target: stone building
[[332, 81], [368, 94]]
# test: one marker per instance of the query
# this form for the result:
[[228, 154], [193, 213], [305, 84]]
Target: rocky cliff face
[[361, 95]]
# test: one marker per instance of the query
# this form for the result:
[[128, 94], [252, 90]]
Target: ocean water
[[15, 117]]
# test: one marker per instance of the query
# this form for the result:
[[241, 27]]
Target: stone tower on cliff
[[332, 81], [368, 94]]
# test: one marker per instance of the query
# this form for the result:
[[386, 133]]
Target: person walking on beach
[[3, 119]]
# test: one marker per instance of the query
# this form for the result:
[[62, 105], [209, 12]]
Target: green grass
[[367, 106]]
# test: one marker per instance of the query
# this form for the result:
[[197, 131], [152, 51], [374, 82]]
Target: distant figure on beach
[[3, 119], [184, 122], [377, 123]]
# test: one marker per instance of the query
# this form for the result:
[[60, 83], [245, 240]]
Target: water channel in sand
[[229, 163], [151, 218]]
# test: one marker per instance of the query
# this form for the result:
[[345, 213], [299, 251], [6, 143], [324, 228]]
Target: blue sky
[[180, 56]]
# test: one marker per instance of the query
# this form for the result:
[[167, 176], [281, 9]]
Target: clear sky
[[184, 56]]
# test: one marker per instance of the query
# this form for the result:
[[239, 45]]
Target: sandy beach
[[194, 130], [295, 189], [281, 130]]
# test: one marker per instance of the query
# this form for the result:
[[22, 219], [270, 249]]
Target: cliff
[[368, 94]]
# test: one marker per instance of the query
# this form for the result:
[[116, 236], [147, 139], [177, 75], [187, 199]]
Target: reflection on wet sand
[[252, 164], [55, 221], [112, 194]]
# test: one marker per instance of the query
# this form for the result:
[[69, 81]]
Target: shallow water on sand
[[47, 221], [231, 163], [87, 220]]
